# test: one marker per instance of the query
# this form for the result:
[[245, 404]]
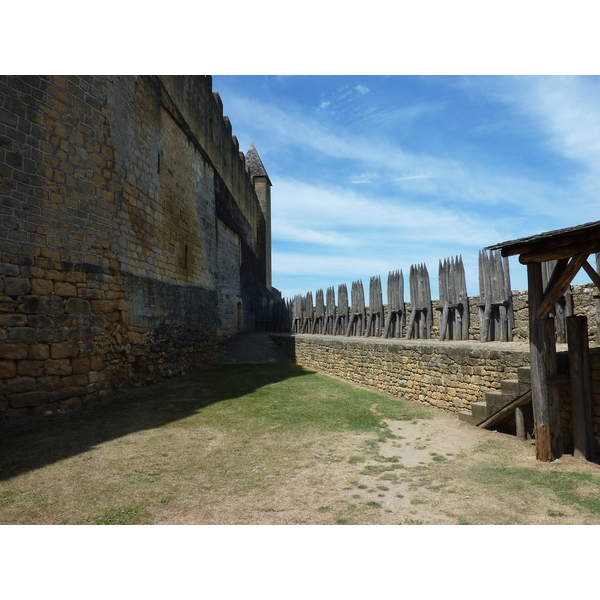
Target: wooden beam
[[581, 388], [558, 284], [546, 252], [545, 399], [592, 273], [506, 411]]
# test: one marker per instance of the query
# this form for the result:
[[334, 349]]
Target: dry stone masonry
[[134, 235]]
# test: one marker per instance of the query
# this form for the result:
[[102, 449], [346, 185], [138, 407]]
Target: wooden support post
[[597, 296], [581, 388], [545, 399], [520, 423]]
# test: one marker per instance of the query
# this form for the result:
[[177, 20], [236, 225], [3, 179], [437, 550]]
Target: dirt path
[[420, 444], [443, 471]]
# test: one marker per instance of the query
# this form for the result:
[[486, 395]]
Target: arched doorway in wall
[[239, 317]]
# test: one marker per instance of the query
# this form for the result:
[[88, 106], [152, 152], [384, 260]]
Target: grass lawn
[[226, 444], [278, 444]]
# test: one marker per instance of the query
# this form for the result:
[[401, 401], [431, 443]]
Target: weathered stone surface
[[431, 372], [87, 349], [70, 404], [8, 368], [80, 334], [95, 363], [39, 321], [64, 350], [64, 289], [13, 351], [9, 270], [28, 304], [97, 376], [7, 304], [50, 336], [18, 385], [77, 305], [23, 400], [42, 287], [78, 380], [26, 335], [50, 305], [61, 366], [48, 384], [31, 368], [90, 216], [7, 320], [80, 365], [104, 306], [16, 286]]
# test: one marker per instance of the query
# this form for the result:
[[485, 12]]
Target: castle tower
[[262, 187]]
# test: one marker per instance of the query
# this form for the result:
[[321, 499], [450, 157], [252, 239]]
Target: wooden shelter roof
[[554, 245]]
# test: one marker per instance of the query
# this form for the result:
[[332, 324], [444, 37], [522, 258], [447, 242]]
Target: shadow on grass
[[29, 446]]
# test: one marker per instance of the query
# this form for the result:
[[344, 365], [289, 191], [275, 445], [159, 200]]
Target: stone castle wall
[[128, 235]]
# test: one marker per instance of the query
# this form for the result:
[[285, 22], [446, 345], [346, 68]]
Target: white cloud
[[324, 104], [427, 176], [569, 109], [449, 179], [362, 89], [382, 220], [283, 230]]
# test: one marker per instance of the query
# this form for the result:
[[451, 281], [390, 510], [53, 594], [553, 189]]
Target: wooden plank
[[581, 388], [427, 302], [561, 278], [521, 431], [506, 411], [463, 299], [555, 252], [508, 296], [560, 236], [592, 273], [444, 323], [597, 296], [548, 434]]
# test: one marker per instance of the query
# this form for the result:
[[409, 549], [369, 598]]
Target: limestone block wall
[[447, 375], [128, 232]]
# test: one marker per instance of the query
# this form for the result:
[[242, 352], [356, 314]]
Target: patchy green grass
[[579, 490], [226, 439]]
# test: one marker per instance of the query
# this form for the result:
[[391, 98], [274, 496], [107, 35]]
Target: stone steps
[[494, 401]]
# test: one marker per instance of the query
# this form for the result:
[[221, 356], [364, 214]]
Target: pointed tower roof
[[255, 166]]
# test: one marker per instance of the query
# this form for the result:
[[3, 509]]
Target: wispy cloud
[[379, 220], [393, 184], [362, 89], [449, 178], [427, 176]]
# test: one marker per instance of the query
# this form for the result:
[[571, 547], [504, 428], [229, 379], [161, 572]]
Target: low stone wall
[[447, 375]]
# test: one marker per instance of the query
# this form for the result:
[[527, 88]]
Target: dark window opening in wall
[[158, 164], [239, 316], [185, 257]]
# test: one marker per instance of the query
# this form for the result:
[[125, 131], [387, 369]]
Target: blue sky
[[377, 173]]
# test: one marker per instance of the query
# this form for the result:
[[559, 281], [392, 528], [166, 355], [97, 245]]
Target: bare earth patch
[[448, 472], [286, 446]]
